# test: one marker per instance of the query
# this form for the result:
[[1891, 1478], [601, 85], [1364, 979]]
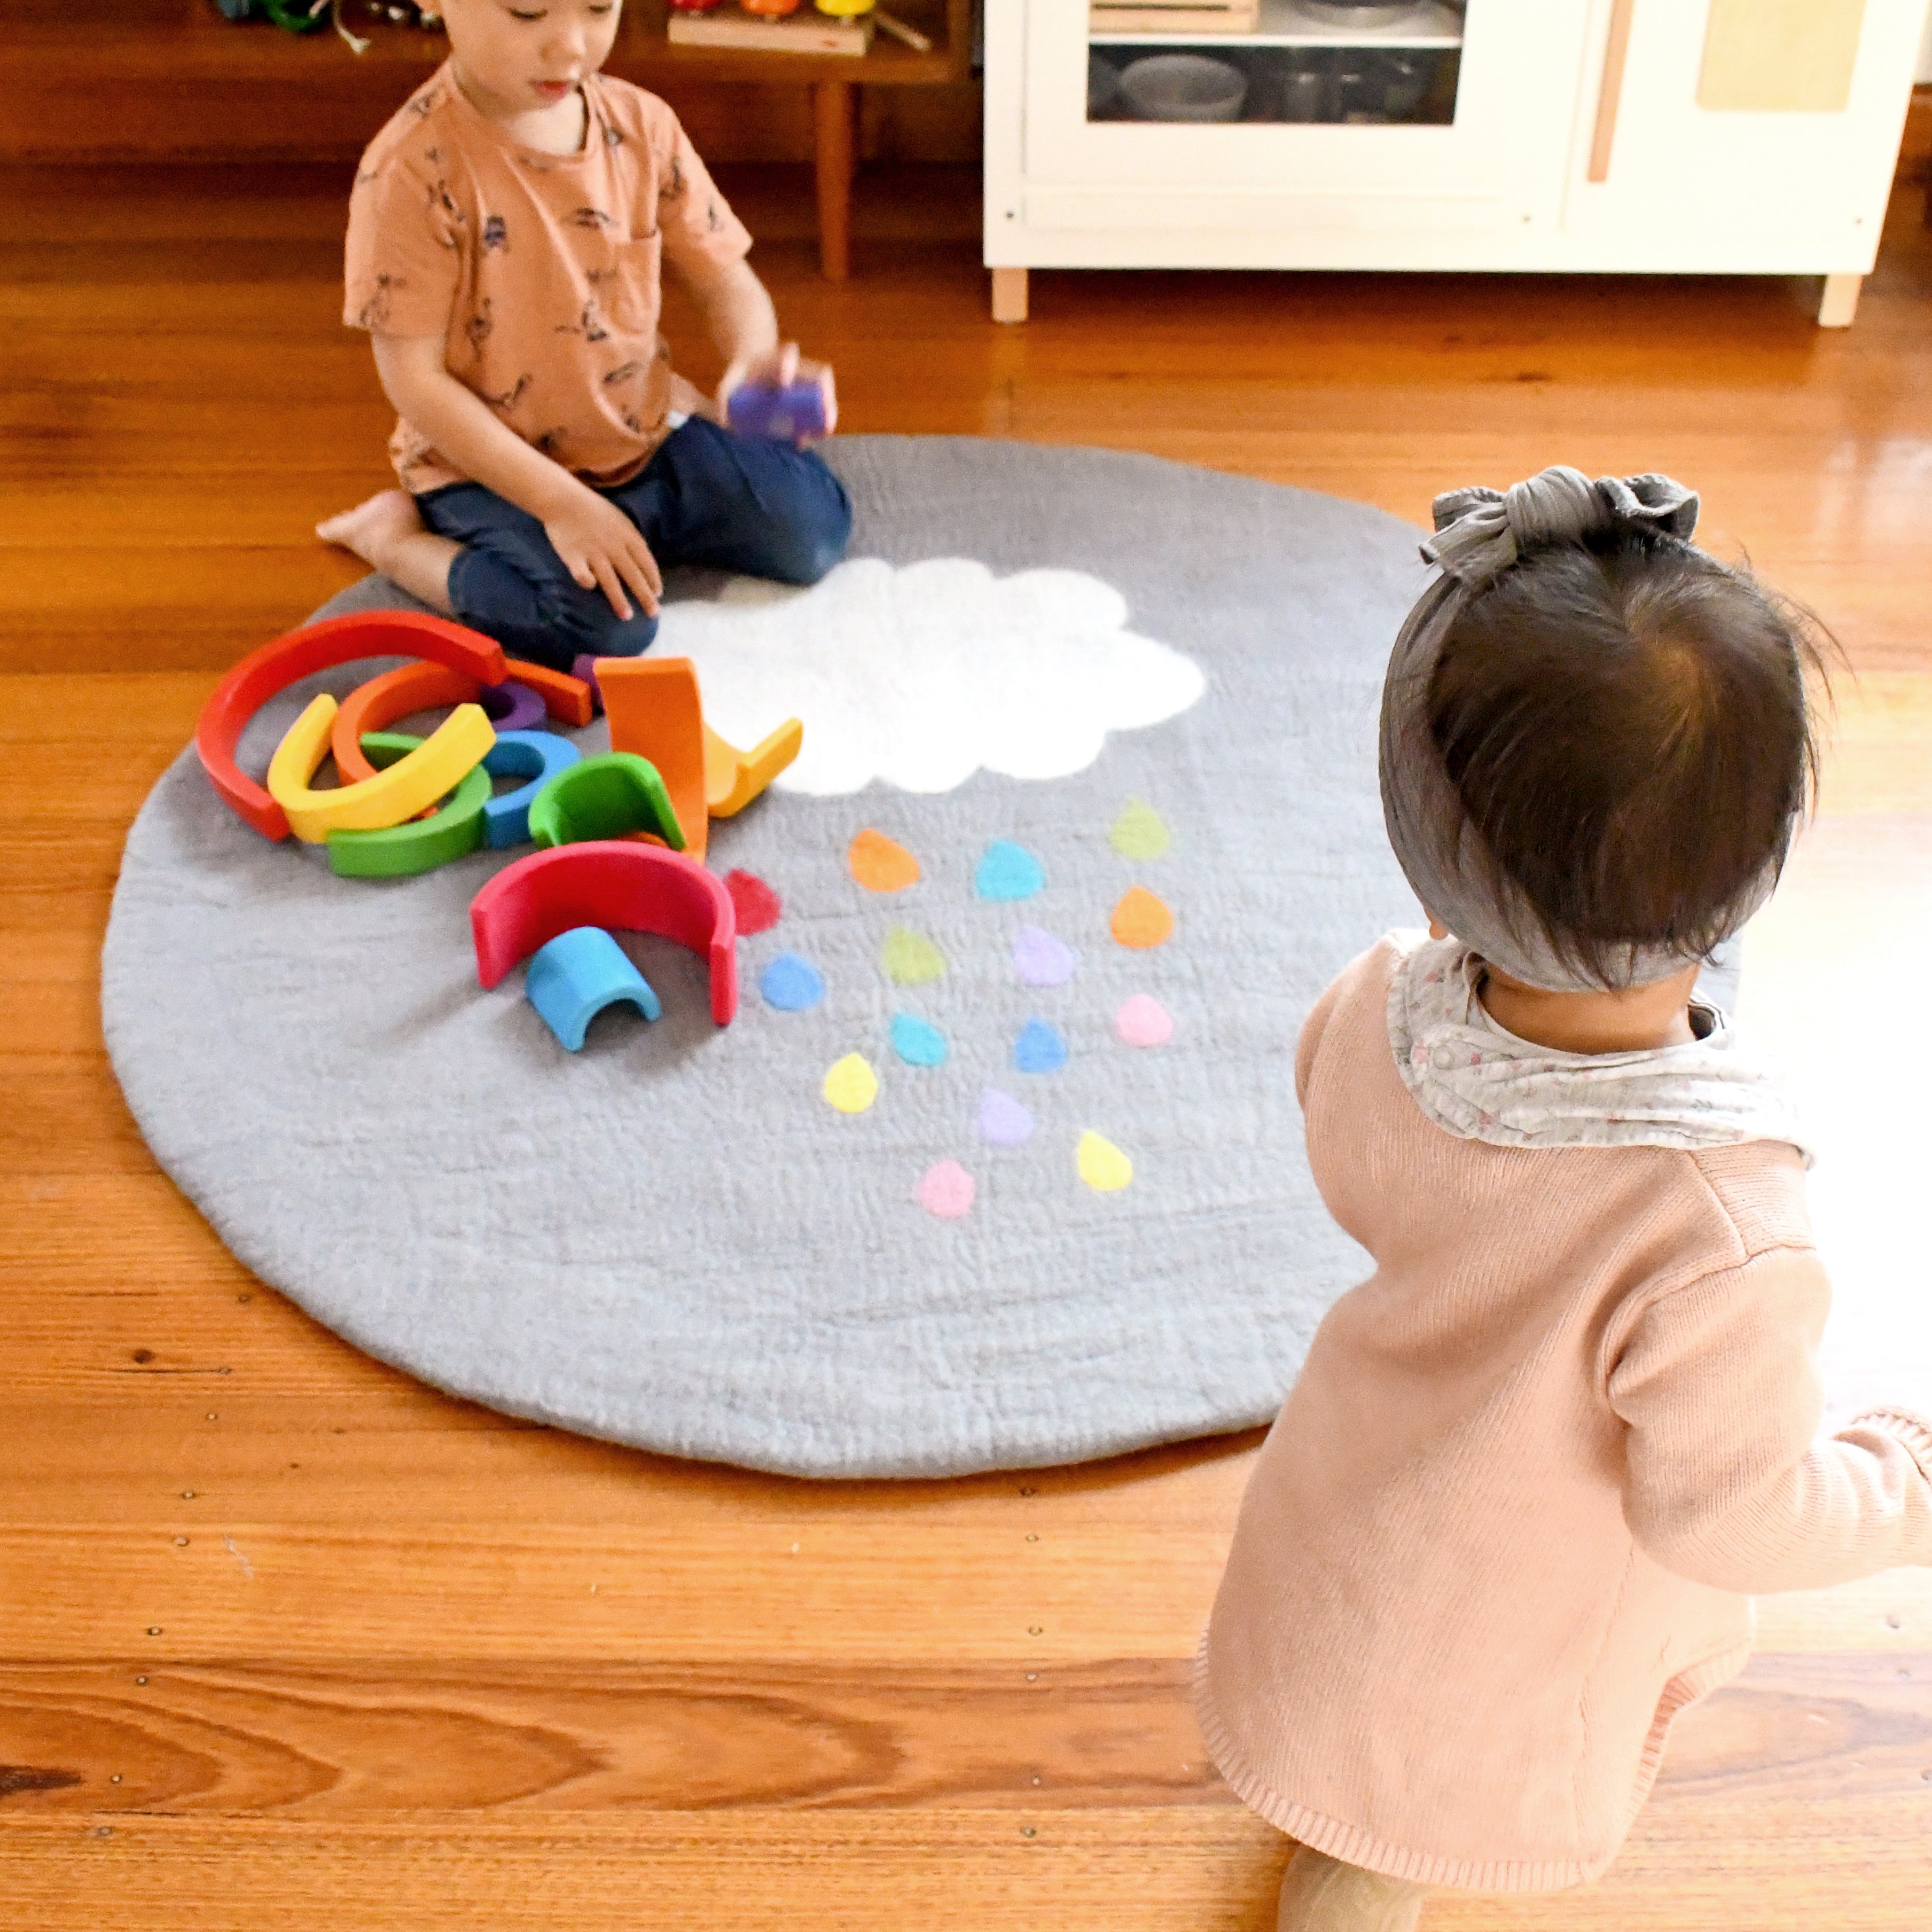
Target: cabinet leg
[[836, 120], [1009, 295], [1840, 301]]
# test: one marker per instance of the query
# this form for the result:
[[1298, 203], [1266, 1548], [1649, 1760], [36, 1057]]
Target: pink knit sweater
[[1506, 1525]]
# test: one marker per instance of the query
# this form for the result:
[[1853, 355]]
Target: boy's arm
[[741, 323], [600, 546]]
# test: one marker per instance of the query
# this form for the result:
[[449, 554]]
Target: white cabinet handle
[[1609, 96]]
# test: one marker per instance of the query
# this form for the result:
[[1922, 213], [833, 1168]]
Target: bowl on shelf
[[1103, 86], [1184, 87], [1405, 78]]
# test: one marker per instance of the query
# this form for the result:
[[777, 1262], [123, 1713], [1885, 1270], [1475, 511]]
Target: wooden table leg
[[836, 115], [1839, 301]]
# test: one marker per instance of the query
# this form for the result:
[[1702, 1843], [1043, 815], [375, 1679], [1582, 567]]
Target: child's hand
[[774, 369], [602, 549]]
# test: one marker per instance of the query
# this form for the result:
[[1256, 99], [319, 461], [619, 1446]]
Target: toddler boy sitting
[[506, 234]]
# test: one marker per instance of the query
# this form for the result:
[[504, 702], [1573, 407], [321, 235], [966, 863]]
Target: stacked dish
[[1184, 87]]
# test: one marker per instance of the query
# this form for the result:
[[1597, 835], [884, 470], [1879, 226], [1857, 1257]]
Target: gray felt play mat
[[1050, 677]]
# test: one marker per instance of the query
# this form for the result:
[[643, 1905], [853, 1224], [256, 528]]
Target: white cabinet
[[1639, 136], [1706, 190]]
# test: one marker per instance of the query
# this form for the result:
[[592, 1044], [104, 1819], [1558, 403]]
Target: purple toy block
[[511, 706], [787, 413], [583, 667]]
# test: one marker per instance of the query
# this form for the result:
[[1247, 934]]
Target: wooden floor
[[286, 1640]]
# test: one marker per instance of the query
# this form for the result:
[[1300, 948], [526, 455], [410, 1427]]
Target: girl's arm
[[1727, 1481], [741, 323], [600, 546]]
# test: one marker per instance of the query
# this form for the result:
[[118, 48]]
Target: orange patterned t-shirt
[[540, 271]]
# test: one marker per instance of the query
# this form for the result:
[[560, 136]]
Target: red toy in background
[[618, 886], [263, 673]]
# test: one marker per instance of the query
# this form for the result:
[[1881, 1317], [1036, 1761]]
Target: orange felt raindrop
[[880, 864], [1141, 919]]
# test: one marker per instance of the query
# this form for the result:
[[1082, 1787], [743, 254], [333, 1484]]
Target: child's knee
[[816, 535], [591, 626], [517, 592], [811, 555], [628, 638]]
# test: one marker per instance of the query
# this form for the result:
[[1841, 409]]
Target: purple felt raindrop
[[1003, 1122], [1041, 960]]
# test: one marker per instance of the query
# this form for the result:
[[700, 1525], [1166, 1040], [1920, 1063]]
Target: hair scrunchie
[[1480, 534]]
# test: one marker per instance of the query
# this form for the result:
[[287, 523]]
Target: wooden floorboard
[[1788, 1866], [286, 1638], [590, 1734]]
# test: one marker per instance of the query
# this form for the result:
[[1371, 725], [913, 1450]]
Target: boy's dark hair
[[1625, 725]]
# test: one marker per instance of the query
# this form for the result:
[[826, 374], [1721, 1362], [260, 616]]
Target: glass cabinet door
[[1324, 62], [1469, 103]]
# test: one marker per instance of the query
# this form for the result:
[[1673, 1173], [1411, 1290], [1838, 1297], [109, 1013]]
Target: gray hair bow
[[1480, 534]]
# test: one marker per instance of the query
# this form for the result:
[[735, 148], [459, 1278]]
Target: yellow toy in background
[[436, 766], [733, 778], [846, 10]]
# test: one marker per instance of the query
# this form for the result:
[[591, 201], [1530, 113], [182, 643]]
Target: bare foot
[[388, 534], [373, 529]]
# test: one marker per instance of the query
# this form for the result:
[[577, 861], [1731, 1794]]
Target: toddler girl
[[1509, 1521]]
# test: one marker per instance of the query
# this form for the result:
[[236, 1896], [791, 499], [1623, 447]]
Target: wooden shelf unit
[[167, 40], [148, 79], [643, 54], [642, 49]]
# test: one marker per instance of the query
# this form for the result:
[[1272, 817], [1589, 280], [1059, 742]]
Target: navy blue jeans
[[708, 497]]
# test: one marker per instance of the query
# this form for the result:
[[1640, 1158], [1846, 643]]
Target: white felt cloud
[[921, 674]]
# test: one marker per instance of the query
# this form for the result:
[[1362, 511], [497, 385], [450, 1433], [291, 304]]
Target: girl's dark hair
[[1625, 725]]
